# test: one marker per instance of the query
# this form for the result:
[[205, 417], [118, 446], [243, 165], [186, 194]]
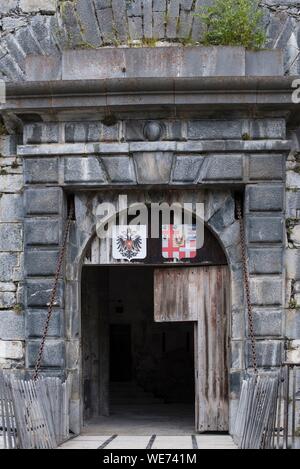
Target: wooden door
[[201, 295]]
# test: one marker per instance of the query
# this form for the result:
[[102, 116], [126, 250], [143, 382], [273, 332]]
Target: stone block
[[32, 6], [135, 25], [11, 183], [292, 180], [292, 260], [53, 357], [187, 168], [7, 299], [215, 129], [266, 167], [8, 145], [265, 260], [267, 323], [11, 237], [43, 201], [36, 319], [88, 21], [105, 19], [41, 170], [265, 229], [222, 168], [264, 198], [267, 128], [12, 326], [269, 353], [38, 292], [120, 169], [293, 352], [11, 349], [11, 208], [293, 204], [266, 291], [295, 235], [86, 169], [264, 63], [42, 231], [292, 323], [153, 167], [41, 132], [40, 263], [8, 262], [8, 5]]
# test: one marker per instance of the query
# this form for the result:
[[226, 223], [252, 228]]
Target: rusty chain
[[53, 294], [247, 287]]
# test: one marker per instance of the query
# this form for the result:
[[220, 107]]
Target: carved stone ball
[[153, 131]]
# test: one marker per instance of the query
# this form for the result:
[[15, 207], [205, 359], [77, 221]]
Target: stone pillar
[[264, 214], [43, 233], [11, 254]]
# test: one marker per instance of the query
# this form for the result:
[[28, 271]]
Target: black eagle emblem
[[129, 244]]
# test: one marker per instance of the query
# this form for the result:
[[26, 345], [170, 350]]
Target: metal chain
[[247, 287], [53, 294]]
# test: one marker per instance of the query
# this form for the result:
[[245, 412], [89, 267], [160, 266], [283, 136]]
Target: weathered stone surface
[[36, 319], [11, 237], [266, 167], [263, 198], [54, 353], [268, 323], [40, 263], [187, 168], [295, 235], [266, 291], [37, 293], [13, 350], [42, 201], [90, 30], [11, 183], [293, 353], [11, 208], [292, 180], [293, 204], [292, 326], [120, 169], [269, 353], [267, 128], [12, 326], [8, 5], [8, 262], [265, 261], [91, 132], [153, 167], [215, 129], [265, 229], [47, 6], [41, 170], [260, 63], [292, 260], [41, 133], [42, 231], [86, 169], [7, 299], [222, 167]]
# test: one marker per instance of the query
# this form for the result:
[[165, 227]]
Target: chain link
[[247, 287], [53, 294]]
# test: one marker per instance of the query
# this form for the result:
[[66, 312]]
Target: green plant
[[234, 23]]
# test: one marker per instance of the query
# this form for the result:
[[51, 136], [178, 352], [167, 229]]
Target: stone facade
[[115, 140]]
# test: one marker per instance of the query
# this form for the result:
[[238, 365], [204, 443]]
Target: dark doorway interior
[[130, 363]]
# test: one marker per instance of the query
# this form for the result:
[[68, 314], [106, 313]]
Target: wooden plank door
[[201, 295]]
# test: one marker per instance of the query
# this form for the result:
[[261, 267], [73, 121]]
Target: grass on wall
[[234, 23]]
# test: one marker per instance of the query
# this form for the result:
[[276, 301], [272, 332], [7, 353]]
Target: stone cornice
[[141, 93]]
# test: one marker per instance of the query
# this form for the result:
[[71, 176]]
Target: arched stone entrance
[[219, 218]]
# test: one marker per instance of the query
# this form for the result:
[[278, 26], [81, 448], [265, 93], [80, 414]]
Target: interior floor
[[161, 419], [138, 374]]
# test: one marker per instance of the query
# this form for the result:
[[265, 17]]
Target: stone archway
[[219, 217]]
